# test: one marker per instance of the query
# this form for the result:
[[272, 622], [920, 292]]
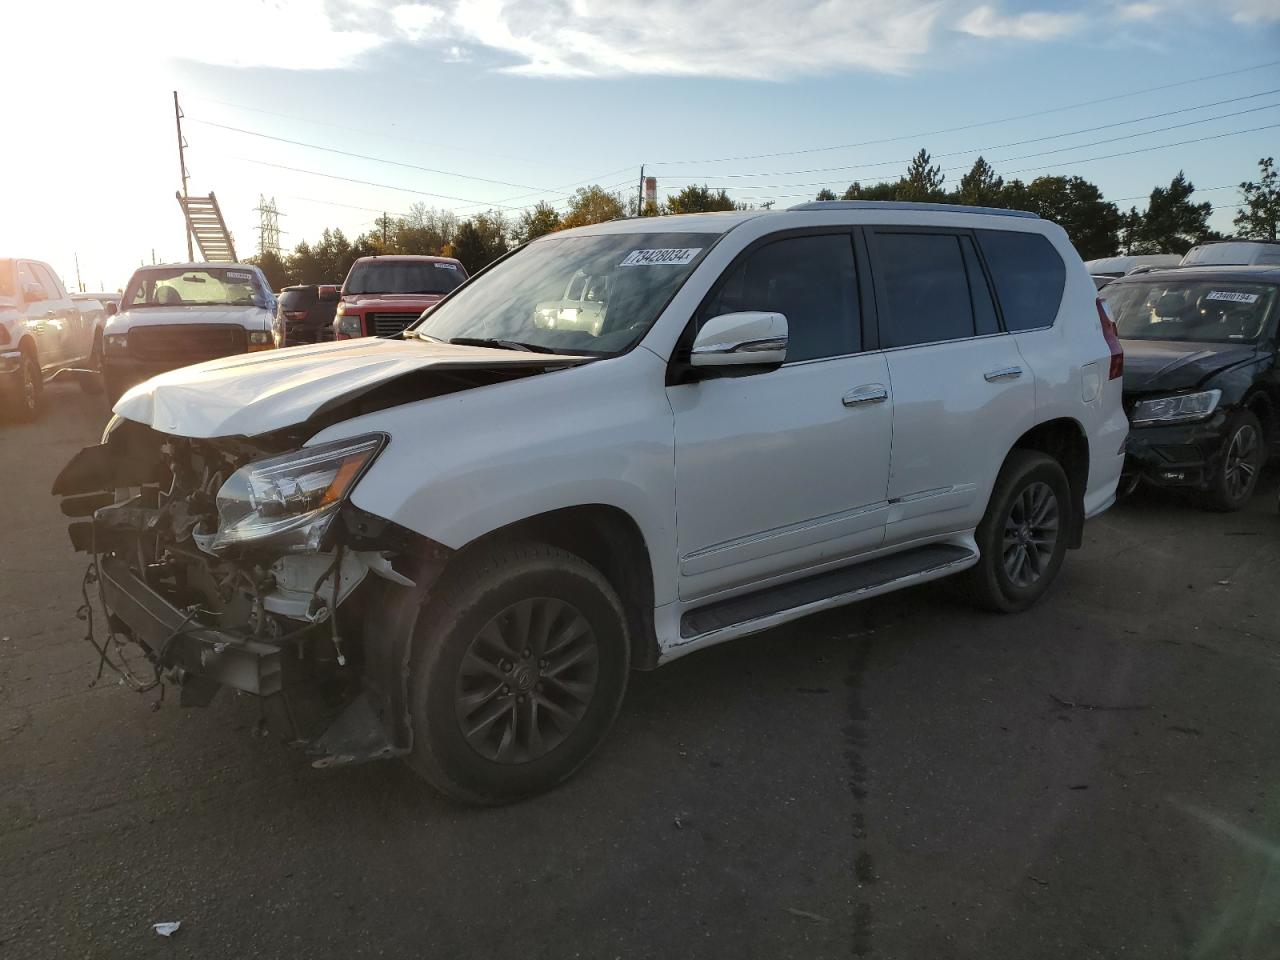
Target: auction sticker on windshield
[[1232, 295], [668, 256], [242, 276]]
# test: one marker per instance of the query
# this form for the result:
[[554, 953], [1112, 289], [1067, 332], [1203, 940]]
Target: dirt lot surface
[[905, 778]]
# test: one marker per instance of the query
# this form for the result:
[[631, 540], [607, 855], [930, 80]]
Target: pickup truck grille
[[389, 324], [186, 343]]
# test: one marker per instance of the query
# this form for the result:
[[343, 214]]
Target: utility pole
[[79, 283], [384, 229], [268, 226], [640, 194], [182, 165]]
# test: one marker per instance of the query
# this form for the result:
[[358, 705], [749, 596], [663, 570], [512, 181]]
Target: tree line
[[1172, 222]]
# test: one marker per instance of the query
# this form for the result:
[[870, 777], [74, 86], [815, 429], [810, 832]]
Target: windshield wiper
[[500, 344]]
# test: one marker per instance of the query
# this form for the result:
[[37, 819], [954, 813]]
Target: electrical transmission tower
[[268, 226]]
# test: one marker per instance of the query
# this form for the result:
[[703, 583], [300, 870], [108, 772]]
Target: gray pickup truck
[[43, 334]]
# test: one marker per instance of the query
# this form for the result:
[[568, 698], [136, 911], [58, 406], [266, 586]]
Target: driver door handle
[[1004, 373], [868, 393]]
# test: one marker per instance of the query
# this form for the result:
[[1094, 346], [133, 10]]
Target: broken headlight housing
[[1178, 408], [288, 502]]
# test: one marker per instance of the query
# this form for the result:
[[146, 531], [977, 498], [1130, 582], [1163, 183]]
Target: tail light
[[297, 316], [1112, 336]]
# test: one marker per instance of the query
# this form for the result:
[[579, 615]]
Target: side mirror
[[328, 293], [748, 339], [32, 292], [111, 308]]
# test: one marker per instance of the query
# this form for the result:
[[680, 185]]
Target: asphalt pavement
[[905, 778]]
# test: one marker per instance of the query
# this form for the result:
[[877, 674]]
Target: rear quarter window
[[1028, 274]]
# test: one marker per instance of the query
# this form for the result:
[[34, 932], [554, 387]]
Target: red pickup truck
[[383, 295]]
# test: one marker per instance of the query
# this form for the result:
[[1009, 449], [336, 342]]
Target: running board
[[765, 608]]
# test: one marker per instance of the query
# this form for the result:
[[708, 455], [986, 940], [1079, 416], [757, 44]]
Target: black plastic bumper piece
[[215, 655]]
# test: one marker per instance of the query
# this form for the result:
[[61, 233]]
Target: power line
[[370, 183], [365, 156], [827, 183], [1018, 143], [973, 126]]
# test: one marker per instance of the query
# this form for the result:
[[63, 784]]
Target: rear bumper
[[1180, 455]]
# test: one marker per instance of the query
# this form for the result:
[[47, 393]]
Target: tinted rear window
[[297, 299], [1028, 274], [926, 289]]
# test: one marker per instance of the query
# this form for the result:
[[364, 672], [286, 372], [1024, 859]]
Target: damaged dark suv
[[1201, 386]]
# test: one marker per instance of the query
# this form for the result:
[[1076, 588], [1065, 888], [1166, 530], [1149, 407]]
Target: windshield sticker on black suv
[[444, 266], [657, 258], [242, 276], [1232, 295]]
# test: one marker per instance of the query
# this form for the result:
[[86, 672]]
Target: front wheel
[[1243, 451], [29, 390], [1022, 538], [520, 664]]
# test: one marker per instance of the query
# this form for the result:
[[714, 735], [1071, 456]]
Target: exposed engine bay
[[238, 562]]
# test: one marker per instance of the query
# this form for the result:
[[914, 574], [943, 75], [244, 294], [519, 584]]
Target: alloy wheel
[[1030, 534], [1240, 469], [526, 680]]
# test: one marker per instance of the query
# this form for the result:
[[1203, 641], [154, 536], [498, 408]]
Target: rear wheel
[[521, 661], [91, 379], [1243, 452], [1022, 538]]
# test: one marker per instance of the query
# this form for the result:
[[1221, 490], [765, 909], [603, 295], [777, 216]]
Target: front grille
[[186, 343], [389, 324]]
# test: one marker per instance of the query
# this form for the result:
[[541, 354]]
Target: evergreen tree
[[1259, 219]]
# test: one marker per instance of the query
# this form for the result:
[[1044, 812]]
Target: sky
[[475, 104]]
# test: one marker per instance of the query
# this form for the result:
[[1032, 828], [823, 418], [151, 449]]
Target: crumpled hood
[[251, 394], [1162, 365], [249, 317]]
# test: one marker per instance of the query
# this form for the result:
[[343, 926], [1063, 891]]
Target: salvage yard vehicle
[[485, 523], [383, 295], [1232, 252], [177, 314], [306, 312], [1201, 385], [43, 334]]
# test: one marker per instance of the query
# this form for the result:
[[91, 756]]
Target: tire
[[91, 382], [1031, 504], [28, 394], [1234, 479], [479, 642], [112, 387]]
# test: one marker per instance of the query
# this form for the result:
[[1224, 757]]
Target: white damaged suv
[[473, 532]]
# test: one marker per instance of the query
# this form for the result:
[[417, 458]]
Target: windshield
[[403, 276], [195, 287], [1209, 311], [596, 295]]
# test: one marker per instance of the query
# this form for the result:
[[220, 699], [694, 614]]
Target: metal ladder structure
[[205, 223]]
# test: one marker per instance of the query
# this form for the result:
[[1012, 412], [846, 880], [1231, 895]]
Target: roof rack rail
[[905, 206]]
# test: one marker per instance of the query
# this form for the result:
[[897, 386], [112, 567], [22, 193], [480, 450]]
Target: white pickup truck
[[43, 333]]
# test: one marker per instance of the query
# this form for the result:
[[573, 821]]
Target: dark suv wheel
[[1236, 476], [1023, 535], [520, 664], [28, 390]]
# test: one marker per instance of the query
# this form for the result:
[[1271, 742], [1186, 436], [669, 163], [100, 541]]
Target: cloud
[[988, 23], [1254, 11], [1138, 11], [415, 20], [759, 39]]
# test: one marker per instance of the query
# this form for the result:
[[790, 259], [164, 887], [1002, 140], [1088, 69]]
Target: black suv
[[306, 312], [1201, 386]]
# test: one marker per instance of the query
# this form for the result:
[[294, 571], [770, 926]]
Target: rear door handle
[[1004, 373], [870, 393]]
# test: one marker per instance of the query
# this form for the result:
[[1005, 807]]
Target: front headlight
[[261, 340], [116, 343], [290, 500], [1176, 409]]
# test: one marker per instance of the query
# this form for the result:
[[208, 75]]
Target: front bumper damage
[[1178, 455], [329, 630]]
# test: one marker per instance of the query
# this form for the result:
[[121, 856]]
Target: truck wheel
[[91, 379], [1023, 535], [29, 395], [521, 660], [1243, 451]]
